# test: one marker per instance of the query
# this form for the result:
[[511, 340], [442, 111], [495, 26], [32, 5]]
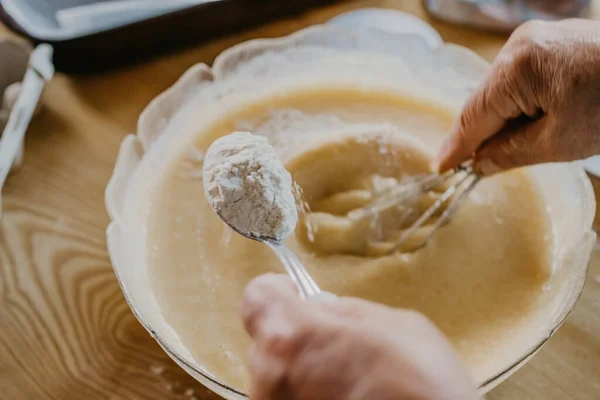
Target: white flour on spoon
[[247, 185]]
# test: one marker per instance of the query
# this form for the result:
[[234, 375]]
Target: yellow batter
[[480, 279]]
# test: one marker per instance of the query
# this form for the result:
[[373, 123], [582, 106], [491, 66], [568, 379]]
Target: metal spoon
[[305, 284]]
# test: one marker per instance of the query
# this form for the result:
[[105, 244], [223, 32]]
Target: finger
[[510, 91], [269, 300], [484, 114], [525, 145], [268, 376], [351, 308]]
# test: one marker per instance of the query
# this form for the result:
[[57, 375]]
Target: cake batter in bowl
[[347, 116]]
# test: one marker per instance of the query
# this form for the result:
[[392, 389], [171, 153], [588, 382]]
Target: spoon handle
[[306, 285]]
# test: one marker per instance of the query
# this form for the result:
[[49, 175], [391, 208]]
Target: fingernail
[[487, 167]]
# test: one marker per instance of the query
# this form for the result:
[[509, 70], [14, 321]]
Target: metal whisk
[[453, 188]]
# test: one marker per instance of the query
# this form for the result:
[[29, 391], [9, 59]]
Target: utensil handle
[[306, 285], [11, 142]]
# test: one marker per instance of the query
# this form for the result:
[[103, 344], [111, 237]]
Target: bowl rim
[[155, 117]]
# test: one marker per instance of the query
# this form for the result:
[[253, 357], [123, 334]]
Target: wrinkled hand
[[539, 103], [344, 349]]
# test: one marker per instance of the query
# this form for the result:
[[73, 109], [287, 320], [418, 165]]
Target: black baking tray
[[116, 46]]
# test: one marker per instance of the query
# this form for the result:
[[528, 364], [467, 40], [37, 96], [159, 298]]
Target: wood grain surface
[[65, 329]]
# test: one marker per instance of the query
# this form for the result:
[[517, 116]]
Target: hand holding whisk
[[509, 123]]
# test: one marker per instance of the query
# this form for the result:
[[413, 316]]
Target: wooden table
[[65, 329]]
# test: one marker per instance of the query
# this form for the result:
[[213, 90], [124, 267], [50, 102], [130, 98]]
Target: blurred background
[[91, 35]]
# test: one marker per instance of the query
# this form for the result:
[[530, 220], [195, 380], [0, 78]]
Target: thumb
[[523, 145], [270, 300], [485, 114]]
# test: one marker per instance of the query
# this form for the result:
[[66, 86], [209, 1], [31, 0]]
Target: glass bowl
[[326, 54]]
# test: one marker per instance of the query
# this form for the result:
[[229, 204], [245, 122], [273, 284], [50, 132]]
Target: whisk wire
[[429, 212], [467, 184], [393, 196], [454, 205], [461, 183]]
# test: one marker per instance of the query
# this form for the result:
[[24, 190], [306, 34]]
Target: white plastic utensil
[[40, 71]]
